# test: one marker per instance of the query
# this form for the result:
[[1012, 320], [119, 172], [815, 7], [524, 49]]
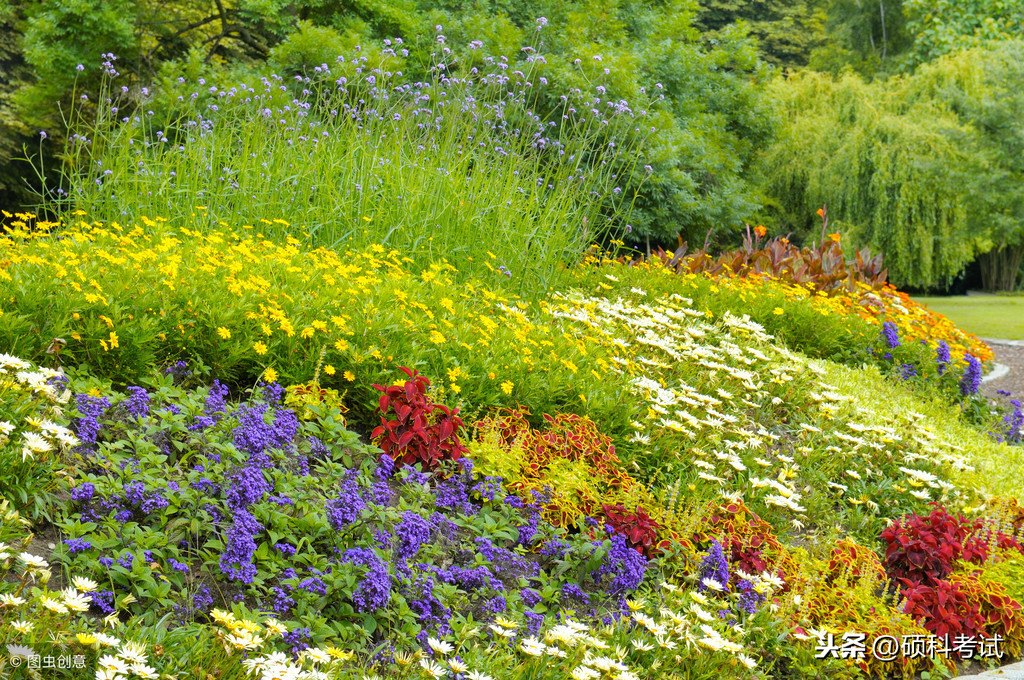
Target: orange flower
[[760, 231], [821, 212], [834, 237]]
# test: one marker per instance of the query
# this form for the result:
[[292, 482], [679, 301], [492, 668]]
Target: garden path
[[1009, 353]]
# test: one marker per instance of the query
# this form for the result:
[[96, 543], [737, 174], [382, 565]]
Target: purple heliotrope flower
[[87, 427], [348, 504], [374, 591], [412, 532], [240, 547], [625, 565], [137, 403], [77, 545]]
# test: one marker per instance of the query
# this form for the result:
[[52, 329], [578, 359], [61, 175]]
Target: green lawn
[[990, 316]]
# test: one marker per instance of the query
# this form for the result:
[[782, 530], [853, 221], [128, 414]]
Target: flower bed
[[629, 476]]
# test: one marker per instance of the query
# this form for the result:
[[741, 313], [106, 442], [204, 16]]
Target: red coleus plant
[[640, 530], [923, 550], [412, 428], [943, 609]]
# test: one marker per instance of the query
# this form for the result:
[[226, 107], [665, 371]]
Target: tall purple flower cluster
[[714, 566], [236, 561], [750, 599], [891, 335], [248, 486], [137, 403], [299, 640], [970, 381], [77, 545], [374, 591], [942, 356], [1014, 422], [216, 406], [345, 508], [87, 427], [385, 467], [411, 533], [625, 565], [254, 434], [431, 611], [136, 496], [348, 504], [489, 488], [202, 600], [283, 603], [505, 561], [84, 492], [178, 372], [907, 371], [103, 600], [451, 495]]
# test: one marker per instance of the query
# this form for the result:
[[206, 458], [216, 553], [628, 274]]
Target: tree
[[892, 169], [946, 26], [14, 133], [982, 87], [786, 31], [868, 35]]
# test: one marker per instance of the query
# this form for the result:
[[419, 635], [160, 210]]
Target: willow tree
[[982, 87], [892, 171]]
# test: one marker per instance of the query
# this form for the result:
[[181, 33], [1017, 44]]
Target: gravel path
[[1011, 356]]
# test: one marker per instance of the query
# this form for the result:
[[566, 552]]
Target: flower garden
[[233, 449]]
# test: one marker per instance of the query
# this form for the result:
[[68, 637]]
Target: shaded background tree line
[[903, 116]]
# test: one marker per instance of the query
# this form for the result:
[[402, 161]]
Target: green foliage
[[869, 36], [891, 168], [365, 164], [14, 133], [982, 88], [943, 27], [60, 36], [925, 168], [787, 32], [707, 126], [307, 48]]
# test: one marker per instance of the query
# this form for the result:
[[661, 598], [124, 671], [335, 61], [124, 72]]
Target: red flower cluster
[[412, 428]]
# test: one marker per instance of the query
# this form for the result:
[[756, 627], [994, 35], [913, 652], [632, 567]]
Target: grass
[[989, 316], [450, 168]]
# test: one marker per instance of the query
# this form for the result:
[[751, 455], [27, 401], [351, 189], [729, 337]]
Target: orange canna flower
[[760, 231]]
